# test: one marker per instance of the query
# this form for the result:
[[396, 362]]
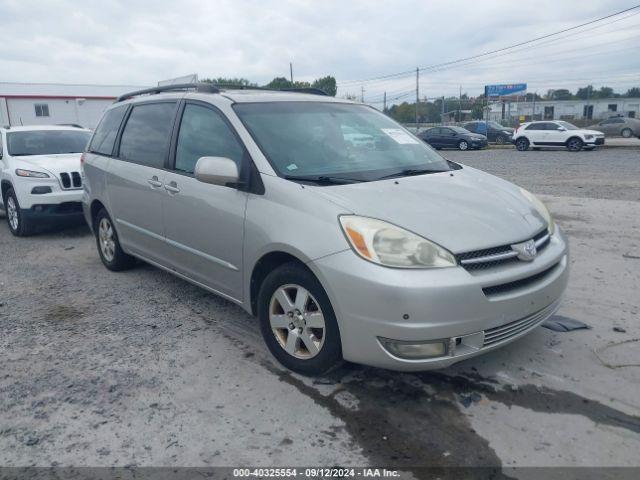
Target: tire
[[18, 224], [522, 144], [311, 351], [574, 144], [463, 145], [626, 133], [111, 254]]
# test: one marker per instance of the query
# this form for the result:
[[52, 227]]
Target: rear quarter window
[[105, 135]]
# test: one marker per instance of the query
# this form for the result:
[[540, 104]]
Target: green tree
[[327, 84], [230, 81], [585, 92], [605, 92], [279, 83], [633, 92]]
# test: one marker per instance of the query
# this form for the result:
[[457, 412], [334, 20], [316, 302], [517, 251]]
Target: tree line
[[327, 84]]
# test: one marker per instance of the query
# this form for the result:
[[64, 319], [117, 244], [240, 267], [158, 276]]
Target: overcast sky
[[138, 43]]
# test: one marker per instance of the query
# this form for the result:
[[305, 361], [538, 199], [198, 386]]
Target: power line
[[519, 44]]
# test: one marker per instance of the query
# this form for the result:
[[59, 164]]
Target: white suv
[[555, 133], [40, 174]]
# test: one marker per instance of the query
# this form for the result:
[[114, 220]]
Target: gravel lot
[[141, 368]]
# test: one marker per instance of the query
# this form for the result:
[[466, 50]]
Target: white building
[[593, 109], [51, 103]]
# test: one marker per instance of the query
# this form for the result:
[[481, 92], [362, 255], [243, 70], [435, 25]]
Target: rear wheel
[[18, 224], [111, 254], [626, 133], [297, 321], [463, 145], [574, 144], [522, 144]]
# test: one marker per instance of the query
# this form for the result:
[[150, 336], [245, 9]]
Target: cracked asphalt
[[141, 368]]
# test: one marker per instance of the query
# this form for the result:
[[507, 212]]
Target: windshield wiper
[[410, 172], [323, 179]]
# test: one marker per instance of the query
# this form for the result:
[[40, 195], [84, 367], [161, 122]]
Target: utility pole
[[384, 102], [533, 116], [291, 72], [417, 94], [460, 103], [362, 94], [443, 112]]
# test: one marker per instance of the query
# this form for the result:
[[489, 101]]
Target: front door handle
[[154, 182], [172, 187]]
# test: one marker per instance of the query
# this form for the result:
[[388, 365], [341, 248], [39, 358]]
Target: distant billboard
[[505, 90]]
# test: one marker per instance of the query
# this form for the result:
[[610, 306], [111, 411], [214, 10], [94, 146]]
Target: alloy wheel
[[626, 133], [574, 145], [107, 239], [12, 213], [297, 322], [522, 144], [463, 145]]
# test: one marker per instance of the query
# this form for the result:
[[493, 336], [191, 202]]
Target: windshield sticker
[[292, 166], [400, 136]]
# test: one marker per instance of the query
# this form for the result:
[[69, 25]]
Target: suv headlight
[[30, 173], [541, 208], [588, 137], [386, 244]]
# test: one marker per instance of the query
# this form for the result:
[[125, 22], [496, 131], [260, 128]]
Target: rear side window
[[145, 138], [536, 126], [203, 133], [105, 135]]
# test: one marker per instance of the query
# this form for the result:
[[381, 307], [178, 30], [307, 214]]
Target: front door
[[204, 223], [136, 179]]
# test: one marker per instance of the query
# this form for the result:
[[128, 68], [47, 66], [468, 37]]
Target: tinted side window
[[536, 126], [146, 134], [204, 133], [105, 135]]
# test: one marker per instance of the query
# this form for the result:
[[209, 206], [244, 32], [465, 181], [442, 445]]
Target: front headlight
[[386, 244], [30, 173], [588, 137], [541, 208]]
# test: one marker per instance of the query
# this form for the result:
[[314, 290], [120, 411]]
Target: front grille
[[504, 332], [497, 256], [70, 180], [523, 282]]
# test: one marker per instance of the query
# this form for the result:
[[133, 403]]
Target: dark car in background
[[453, 137], [494, 132], [621, 126]]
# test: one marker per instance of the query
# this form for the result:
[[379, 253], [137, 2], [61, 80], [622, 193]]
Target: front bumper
[[373, 302]]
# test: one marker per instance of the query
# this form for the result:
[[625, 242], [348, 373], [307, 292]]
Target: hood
[[67, 162], [469, 210], [591, 132], [477, 136], [508, 129]]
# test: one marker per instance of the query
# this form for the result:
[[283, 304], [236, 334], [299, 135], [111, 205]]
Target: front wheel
[[463, 145], [626, 133], [574, 144], [111, 254], [18, 224], [522, 144], [297, 321]]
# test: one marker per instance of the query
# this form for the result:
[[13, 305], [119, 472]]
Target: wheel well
[[571, 138], [263, 267], [96, 206], [5, 188]]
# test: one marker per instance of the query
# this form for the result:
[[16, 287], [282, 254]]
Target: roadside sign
[[504, 90]]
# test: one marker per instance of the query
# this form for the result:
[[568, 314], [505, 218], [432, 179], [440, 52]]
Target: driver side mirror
[[562, 129], [217, 171]]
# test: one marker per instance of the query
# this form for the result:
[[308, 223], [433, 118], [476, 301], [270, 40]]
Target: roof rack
[[199, 87], [215, 88], [311, 90]]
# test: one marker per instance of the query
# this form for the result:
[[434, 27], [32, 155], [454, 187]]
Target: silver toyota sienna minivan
[[346, 236]]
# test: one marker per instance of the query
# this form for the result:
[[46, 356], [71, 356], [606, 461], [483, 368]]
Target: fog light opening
[[412, 350]]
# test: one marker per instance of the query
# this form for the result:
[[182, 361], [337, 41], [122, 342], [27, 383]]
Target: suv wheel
[[111, 254], [626, 133], [522, 144], [574, 144], [297, 321], [18, 225], [463, 145]]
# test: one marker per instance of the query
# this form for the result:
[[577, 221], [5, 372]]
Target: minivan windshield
[[46, 142], [335, 141]]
